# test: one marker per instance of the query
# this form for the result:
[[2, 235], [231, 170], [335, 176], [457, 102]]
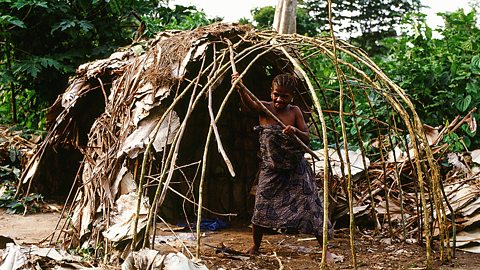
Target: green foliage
[[368, 104], [11, 159], [454, 142], [179, 18], [315, 143], [263, 18], [27, 204], [244, 21], [8, 20], [86, 253], [475, 65], [306, 24], [441, 75], [42, 42], [9, 172], [9, 165], [365, 22]]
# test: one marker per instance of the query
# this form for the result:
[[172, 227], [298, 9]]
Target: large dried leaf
[[455, 160], [137, 141], [124, 215], [123, 183], [147, 100], [356, 162], [472, 220], [148, 259], [463, 198], [475, 156], [32, 169], [468, 237], [398, 155], [431, 133], [393, 207], [116, 61]]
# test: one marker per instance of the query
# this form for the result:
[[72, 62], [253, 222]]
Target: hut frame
[[154, 91]]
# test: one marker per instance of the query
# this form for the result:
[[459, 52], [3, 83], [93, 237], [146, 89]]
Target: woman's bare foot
[[333, 258], [254, 250], [329, 257]]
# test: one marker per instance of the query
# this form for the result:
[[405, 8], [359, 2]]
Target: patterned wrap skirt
[[286, 196]]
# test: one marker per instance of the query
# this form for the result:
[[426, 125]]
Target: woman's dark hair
[[285, 80]]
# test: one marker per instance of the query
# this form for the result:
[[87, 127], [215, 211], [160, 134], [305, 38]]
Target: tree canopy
[[364, 21], [43, 41]]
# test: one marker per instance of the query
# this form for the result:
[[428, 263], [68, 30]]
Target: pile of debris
[[16, 149], [388, 186], [15, 257]]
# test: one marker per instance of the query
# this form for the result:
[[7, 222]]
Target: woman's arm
[[244, 96], [300, 129]]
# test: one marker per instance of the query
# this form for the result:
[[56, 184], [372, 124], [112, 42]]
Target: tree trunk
[[13, 101], [285, 21]]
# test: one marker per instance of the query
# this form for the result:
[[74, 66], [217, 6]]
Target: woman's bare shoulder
[[295, 108], [266, 103]]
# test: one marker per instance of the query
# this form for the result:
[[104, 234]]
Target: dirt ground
[[293, 251], [28, 229], [290, 251]]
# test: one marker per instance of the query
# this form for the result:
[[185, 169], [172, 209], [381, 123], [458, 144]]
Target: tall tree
[[364, 21], [285, 21]]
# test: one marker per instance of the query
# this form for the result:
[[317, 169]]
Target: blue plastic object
[[208, 224]]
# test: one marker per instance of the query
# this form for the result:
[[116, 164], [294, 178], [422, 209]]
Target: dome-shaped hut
[[160, 119]]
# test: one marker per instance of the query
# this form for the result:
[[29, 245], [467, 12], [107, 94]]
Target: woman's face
[[281, 97]]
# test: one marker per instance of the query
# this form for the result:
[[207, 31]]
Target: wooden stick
[[339, 73], [139, 197], [454, 222], [398, 180], [229, 215], [170, 154], [176, 236], [454, 125], [200, 192], [232, 59], [214, 126], [280, 265], [204, 163]]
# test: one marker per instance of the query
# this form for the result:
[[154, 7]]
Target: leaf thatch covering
[[141, 123]]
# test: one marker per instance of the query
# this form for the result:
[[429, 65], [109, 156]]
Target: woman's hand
[[235, 76], [289, 130]]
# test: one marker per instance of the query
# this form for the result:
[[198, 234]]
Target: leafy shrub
[[440, 74]]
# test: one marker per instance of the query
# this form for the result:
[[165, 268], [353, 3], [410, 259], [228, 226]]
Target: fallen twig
[[280, 265]]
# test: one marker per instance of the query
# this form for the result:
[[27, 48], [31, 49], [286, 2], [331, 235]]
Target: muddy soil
[[290, 251], [298, 251]]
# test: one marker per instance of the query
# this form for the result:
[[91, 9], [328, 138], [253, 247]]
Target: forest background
[[42, 42]]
